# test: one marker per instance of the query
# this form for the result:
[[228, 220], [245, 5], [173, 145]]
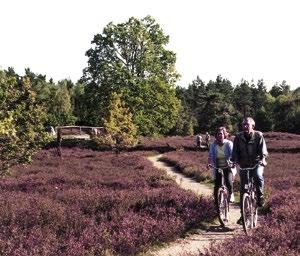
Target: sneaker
[[240, 221], [231, 200], [260, 201]]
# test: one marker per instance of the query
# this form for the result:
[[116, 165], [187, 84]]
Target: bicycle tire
[[255, 210], [223, 206], [247, 213]]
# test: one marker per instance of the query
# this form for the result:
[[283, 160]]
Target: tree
[[281, 89], [119, 128], [243, 98], [193, 99], [185, 124], [259, 95], [217, 112], [224, 87], [264, 120], [195, 95], [21, 120], [56, 98], [287, 112], [80, 103], [131, 59], [210, 105], [59, 107]]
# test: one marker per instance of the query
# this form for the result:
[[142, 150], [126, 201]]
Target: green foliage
[[185, 124], [21, 120], [59, 107], [210, 105], [120, 131], [218, 103], [264, 120], [130, 59], [243, 98], [56, 98], [287, 112], [218, 112], [80, 104], [281, 89], [156, 108]]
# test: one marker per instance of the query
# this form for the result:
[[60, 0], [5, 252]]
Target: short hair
[[222, 129], [250, 120]]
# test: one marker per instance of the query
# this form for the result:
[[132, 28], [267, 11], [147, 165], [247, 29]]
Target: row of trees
[[129, 88], [206, 106]]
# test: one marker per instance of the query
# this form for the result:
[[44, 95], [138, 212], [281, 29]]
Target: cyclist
[[219, 154], [198, 140], [249, 148], [207, 139]]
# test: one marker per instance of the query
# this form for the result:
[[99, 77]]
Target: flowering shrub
[[169, 143], [93, 203], [283, 142], [97, 203], [191, 163]]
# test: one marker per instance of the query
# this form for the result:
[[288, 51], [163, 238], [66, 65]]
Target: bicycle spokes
[[247, 213], [223, 206]]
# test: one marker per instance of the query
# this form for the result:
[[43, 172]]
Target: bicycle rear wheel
[[223, 206], [247, 213]]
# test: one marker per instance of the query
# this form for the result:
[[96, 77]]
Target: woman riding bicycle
[[219, 154]]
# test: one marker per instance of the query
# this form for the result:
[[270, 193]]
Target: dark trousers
[[228, 178]]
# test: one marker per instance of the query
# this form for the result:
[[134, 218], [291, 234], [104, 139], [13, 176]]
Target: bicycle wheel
[[223, 206], [247, 213], [254, 210]]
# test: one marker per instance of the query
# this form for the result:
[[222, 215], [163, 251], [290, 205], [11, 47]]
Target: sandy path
[[200, 239]]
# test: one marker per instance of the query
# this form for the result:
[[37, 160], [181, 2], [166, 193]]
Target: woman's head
[[221, 134]]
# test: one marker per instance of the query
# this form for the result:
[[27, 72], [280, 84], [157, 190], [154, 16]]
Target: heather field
[[101, 203], [191, 163], [278, 233], [93, 203]]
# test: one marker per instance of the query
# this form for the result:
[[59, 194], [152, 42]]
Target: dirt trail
[[200, 239]]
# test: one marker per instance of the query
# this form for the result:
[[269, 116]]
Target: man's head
[[248, 125]]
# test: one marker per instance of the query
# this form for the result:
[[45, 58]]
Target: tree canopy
[[219, 103], [21, 120], [131, 59]]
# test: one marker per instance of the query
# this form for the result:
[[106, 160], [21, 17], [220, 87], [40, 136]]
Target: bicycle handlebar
[[219, 170], [251, 168]]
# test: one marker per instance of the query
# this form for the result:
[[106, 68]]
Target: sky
[[237, 39]]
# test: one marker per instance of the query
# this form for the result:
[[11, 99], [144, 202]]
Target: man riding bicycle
[[249, 148]]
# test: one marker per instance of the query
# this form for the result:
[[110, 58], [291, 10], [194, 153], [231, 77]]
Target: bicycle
[[249, 201], [222, 200]]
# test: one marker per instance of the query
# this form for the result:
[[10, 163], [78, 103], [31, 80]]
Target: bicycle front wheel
[[254, 210], [223, 206], [247, 213]]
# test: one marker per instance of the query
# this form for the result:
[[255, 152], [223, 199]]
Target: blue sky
[[237, 39]]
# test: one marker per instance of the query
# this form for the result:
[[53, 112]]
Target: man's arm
[[263, 150], [235, 150]]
